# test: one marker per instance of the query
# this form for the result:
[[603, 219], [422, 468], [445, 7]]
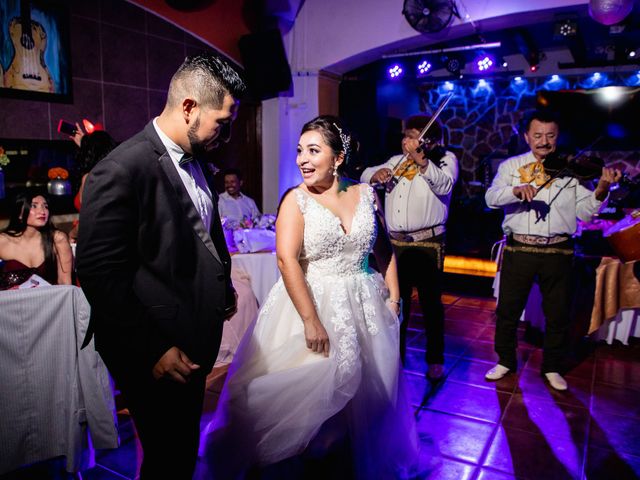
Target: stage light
[[534, 58], [566, 28], [518, 79], [505, 64], [424, 67], [611, 95], [596, 76], [448, 85], [555, 82], [395, 71], [484, 63], [631, 54], [483, 87], [453, 65]]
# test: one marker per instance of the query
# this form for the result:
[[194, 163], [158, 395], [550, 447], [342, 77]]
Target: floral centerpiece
[[251, 234], [58, 183], [57, 172]]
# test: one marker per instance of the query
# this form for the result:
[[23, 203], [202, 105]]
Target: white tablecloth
[[624, 325], [262, 270], [234, 328], [50, 389]]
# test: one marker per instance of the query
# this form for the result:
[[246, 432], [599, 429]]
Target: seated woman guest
[[31, 244]]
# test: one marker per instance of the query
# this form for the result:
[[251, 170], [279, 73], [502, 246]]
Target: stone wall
[[482, 119]]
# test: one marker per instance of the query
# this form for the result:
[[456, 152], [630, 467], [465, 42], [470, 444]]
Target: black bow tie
[[186, 158]]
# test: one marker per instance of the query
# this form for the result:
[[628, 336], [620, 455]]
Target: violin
[[581, 167], [434, 154], [402, 166]]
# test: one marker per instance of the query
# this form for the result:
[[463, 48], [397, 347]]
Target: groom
[[154, 265]]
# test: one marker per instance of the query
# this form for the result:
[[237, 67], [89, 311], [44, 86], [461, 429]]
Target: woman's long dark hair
[[93, 148], [18, 225]]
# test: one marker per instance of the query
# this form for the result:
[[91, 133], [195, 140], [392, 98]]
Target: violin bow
[[391, 183]]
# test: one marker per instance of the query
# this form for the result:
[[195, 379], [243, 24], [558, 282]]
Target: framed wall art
[[35, 60]]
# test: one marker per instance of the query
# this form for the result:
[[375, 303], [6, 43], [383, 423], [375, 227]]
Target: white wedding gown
[[279, 394]]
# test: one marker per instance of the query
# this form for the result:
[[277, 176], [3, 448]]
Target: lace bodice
[[327, 250]]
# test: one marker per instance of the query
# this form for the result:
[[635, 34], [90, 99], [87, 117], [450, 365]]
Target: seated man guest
[[233, 204]]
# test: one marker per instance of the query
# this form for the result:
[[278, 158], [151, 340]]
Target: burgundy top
[[14, 272]]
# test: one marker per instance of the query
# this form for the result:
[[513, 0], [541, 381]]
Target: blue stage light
[[484, 63], [395, 71], [424, 67]]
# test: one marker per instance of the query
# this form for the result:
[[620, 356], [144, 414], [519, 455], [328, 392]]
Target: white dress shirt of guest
[[421, 202], [566, 199], [232, 203]]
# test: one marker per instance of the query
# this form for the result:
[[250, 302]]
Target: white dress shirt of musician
[[232, 203], [420, 200], [565, 198]]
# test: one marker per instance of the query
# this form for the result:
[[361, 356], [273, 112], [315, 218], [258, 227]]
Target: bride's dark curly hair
[[336, 135]]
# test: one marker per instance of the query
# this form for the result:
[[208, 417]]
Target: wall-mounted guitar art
[[34, 50]]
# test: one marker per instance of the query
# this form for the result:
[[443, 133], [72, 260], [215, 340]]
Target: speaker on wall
[[265, 62]]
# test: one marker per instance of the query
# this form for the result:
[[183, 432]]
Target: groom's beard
[[198, 149]]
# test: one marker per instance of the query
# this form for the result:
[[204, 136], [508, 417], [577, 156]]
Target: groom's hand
[[174, 365]]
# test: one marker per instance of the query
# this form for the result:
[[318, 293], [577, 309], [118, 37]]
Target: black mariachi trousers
[[521, 264], [420, 264]]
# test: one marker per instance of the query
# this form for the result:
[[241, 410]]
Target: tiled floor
[[514, 428]]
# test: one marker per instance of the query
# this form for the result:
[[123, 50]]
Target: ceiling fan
[[429, 16]]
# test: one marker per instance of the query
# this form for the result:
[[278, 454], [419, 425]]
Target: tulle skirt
[[279, 395]]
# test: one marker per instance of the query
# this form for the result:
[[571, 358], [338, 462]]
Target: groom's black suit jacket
[[154, 277]]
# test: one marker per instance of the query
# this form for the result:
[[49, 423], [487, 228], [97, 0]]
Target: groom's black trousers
[[166, 415]]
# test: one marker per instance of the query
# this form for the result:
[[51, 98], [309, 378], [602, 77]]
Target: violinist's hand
[[381, 176], [609, 176], [411, 146], [525, 192]]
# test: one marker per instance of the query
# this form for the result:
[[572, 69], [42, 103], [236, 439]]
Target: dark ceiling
[[589, 43]]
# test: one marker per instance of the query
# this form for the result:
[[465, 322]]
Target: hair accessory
[[345, 142]]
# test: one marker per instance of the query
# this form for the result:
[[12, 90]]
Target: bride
[[321, 363]]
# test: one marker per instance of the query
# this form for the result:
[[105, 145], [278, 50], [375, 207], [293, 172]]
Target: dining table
[[611, 301], [56, 398], [261, 268]]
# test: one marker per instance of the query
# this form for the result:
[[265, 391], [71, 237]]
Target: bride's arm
[[289, 235], [386, 259]]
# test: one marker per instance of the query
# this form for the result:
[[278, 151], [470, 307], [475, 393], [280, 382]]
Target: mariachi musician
[[540, 219], [419, 184]]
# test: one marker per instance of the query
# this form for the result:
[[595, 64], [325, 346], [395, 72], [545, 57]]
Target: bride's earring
[[335, 170]]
